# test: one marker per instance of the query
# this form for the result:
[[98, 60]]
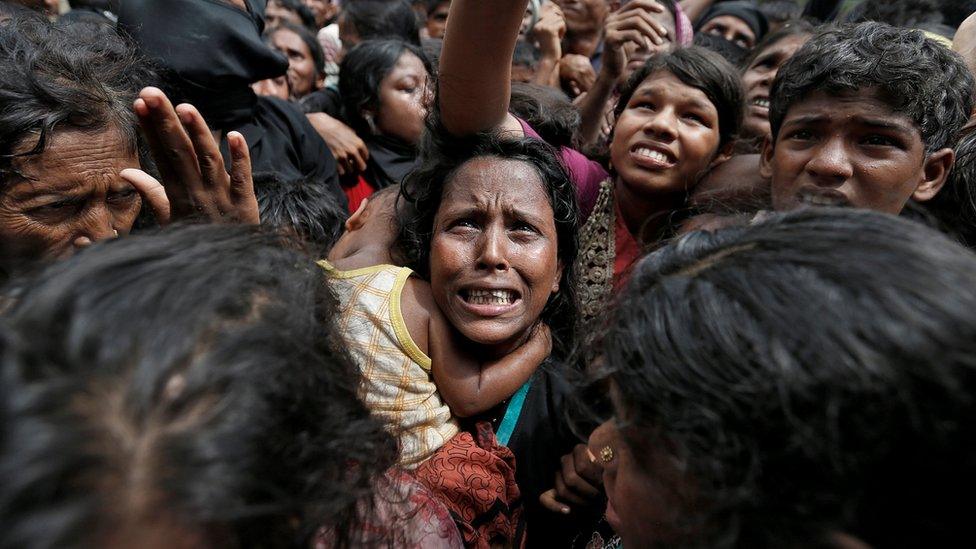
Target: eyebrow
[[871, 122], [694, 102]]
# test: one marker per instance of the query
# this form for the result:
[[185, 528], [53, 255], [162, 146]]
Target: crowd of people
[[467, 273]]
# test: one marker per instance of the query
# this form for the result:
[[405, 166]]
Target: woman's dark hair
[[318, 55], [548, 110], [422, 191], [183, 384], [304, 208], [899, 13], [798, 27], [383, 19], [301, 10], [810, 375], [73, 77], [362, 71], [780, 11], [703, 70], [916, 76]]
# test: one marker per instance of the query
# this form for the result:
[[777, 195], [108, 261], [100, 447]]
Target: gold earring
[[606, 454]]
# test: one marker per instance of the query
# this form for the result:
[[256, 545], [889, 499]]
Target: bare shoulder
[[418, 306]]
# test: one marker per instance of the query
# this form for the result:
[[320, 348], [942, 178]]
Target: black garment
[[822, 10], [741, 9], [89, 15], [325, 100], [390, 160]]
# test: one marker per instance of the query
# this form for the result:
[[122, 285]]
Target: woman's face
[[275, 14], [303, 75], [71, 196], [494, 252], [665, 138], [403, 99], [758, 79], [731, 28]]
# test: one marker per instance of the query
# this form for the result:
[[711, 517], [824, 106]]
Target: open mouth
[[489, 297], [652, 157], [761, 102], [832, 199]]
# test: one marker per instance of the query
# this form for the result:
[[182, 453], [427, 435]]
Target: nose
[[831, 163], [98, 225], [493, 254], [661, 124]]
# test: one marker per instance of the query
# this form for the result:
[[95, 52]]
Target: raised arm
[[475, 78], [470, 386]]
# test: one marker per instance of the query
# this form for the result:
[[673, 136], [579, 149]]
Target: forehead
[[75, 156], [866, 105], [408, 64], [490, 178], [729, 21], [664, 83], [287, 38]]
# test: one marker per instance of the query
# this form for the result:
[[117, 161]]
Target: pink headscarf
[[683, 29]]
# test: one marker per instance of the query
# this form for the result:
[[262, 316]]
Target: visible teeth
[[761, 102], [653, 155], [491, 297]]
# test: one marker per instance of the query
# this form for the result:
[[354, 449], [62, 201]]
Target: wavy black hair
[[422, 191], [78, 77], [701, 69], [183, 384], [916, 76], [305, 208], [362, 71], [809, 375], [382, 19]]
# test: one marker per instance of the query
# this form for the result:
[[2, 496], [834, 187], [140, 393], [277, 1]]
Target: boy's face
[[852, 150]]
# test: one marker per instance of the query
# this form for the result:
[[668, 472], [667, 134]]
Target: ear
[[723, 154], [559, 276], [766, 159], [358, 218], [935, 171]]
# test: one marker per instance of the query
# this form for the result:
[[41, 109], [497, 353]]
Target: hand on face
[[195, 182], [549, 29], [635, 23], [494, 252]]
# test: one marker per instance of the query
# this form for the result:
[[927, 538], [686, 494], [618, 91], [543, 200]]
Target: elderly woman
[[70, 145]]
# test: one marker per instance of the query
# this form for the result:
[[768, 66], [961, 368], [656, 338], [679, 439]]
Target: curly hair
[[422, 191], [703, 70], [79, 76], [917, 77], [183, 379], [804, 380]]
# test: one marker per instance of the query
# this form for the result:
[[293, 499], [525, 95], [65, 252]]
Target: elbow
[[466, 409]]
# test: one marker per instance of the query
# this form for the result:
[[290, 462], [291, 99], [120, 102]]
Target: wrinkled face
[[584, 15], [324, 11], [758, 79], [845, 150], [494, 252], [72, 196], [731, 28], [276, 14], [303, 75], [665, 138], [637, 55], [404, 97], [437, 20]]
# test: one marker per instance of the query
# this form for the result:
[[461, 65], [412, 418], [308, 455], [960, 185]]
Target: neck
[[644, 214], [583, 42], [360, 256]]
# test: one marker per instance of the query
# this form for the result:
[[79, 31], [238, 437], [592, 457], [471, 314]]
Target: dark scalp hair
[[183, 381], [304, 208], [703, 70], [299, 8], [548, 110], [809, 375], [383, 19], [953, 209], [423, 190], [310, 40], [899, 13], [954, 12], [916, 77], [793, 28], [362, 71], [56, 78], [781, 11]]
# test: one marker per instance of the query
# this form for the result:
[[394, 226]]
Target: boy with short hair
[[866, 116]]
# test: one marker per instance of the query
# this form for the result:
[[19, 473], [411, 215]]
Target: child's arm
[[470, 386]]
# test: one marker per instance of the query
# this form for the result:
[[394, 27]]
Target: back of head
[[809, 375], [304, 208], [383, 19], [916, 76], [178, 390], [548, 110]]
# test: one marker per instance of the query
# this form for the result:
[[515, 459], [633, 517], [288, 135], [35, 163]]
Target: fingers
[[574, 481], [565, 494], [170, 145], [241, 181], [209, 159], [361, 156], [549, 501], [642, 5], [152, 192], [586, 465]]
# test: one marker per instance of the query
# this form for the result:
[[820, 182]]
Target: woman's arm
[[470, 386], [475, 78]]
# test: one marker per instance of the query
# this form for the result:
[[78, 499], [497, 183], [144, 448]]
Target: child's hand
[[577, 483]]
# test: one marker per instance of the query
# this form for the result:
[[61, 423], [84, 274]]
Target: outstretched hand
[[631, 23], [194, 180]]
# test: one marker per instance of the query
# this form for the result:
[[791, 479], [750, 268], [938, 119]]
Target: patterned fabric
[[397, 383], [475, 478], [595, 262]]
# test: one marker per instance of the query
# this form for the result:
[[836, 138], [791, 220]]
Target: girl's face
[[494, 252], [403, 99], [758, 79], [665, 138], [303, 75]]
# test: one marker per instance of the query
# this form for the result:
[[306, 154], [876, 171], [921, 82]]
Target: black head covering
[[741, 9], [208, 52]]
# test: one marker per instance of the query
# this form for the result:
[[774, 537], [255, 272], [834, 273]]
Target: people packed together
[[591, 274]]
